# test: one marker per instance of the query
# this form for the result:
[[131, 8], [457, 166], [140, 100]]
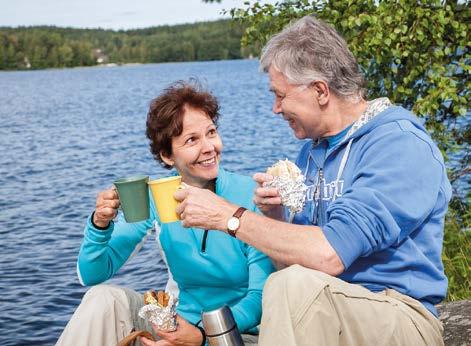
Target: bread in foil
[[160, 309], [289, 181]]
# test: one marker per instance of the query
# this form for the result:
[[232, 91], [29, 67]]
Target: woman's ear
[[167, 160]]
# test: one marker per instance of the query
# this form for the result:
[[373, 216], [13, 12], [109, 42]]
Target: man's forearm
[[290, 244], [283, 242]]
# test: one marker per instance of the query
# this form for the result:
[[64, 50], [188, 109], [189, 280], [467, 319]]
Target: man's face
[[298, 105]]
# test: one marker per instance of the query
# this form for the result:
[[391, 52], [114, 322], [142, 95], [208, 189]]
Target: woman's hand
[[185, 335], [267, 199], [107, 204]]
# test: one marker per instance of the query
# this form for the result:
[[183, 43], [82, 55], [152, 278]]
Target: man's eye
[[212, 132]]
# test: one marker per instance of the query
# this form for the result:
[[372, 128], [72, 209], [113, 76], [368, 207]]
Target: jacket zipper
[[203, 243]]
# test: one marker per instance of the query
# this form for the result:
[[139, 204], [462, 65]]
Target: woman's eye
[[190, 140], [212, 132]]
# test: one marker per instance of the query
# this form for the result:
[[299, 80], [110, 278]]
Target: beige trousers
[[106, 315], [306, 307]]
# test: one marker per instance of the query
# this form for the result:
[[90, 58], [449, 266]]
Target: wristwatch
[[233, 223]]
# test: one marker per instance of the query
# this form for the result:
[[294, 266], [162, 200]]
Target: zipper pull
[[203, 243]]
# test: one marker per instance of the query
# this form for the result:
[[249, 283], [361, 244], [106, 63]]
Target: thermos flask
[[220, 327]]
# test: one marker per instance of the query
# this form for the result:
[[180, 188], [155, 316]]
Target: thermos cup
[[220, 327]]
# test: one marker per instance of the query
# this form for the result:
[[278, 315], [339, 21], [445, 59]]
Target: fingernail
[[182, 186]]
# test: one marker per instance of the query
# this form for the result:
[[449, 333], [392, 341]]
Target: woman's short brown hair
[[165, 116]]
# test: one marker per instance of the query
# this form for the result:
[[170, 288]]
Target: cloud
[[128, 13]]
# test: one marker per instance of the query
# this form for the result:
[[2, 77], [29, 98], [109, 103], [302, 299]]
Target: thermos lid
[[219, 321]]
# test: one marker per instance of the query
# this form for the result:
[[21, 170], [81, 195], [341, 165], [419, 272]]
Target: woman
[[206, 269]]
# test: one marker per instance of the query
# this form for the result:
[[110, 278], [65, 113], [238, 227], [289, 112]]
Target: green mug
[[134, 197]]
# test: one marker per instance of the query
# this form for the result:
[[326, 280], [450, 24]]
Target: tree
[[10, 56], [66, 47], [66, 55], [417, 54]]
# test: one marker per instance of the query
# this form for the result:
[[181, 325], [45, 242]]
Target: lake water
[[67, 134], [64, 136]]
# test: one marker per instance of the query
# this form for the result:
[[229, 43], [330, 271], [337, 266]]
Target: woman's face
[[196, 151]]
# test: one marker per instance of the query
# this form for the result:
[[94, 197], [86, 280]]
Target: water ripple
[[65, 135]]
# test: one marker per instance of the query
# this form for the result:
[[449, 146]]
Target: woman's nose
[[207, 145]]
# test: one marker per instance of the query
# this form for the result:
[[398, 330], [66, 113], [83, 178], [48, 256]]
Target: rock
[[456, 319]]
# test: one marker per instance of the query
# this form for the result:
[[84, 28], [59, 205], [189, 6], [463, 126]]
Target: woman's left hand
[[185, 335]]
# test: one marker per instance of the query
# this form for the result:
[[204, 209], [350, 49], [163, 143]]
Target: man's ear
[[167, 160], [322, 92]]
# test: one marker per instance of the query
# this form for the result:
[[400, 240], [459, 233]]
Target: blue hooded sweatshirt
[[380, 196]]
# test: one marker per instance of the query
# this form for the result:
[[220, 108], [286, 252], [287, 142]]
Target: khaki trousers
[[306, 307], [106, 315]]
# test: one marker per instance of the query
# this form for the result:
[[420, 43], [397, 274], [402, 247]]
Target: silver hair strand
[[309, 50]]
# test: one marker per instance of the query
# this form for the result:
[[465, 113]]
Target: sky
[[111, 14]]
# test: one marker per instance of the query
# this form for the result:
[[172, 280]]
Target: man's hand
[[203, 209], [185, 335], [267, 199]]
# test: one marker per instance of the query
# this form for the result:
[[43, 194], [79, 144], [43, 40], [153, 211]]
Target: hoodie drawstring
[[341, 168]]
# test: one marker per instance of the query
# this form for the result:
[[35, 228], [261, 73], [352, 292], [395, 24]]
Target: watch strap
[[238, 214]]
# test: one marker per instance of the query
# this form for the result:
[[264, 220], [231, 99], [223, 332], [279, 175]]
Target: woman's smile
[[208, 162]]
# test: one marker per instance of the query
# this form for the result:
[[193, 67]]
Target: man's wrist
[[229, 210], [233, 224]]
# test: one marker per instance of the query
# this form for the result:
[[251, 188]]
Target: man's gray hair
[[309, 50]]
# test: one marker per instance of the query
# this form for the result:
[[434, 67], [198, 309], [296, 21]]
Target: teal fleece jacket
[[206, 268]]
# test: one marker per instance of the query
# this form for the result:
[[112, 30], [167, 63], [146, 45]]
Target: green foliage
[[457, 250], [417, 54], [45, 47]]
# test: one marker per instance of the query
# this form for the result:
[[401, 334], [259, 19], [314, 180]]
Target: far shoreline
[[114, 65], [43, 48]]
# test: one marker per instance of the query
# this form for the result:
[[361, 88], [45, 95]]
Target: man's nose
[[276, 106]]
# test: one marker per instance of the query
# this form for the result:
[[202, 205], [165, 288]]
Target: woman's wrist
[[100, 225], [203, 334]]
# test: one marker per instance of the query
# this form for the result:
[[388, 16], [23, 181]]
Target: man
[[364, 255]]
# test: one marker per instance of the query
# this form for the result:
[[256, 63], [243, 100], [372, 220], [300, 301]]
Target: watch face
[[233, 223]]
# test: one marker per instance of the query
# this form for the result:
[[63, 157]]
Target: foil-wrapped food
[[160, 309], [289, 181]]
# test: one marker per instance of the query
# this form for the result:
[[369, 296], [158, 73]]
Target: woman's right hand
[[267, 199], [107, 204]]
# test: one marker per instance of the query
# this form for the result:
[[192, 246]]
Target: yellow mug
[[162, 192]]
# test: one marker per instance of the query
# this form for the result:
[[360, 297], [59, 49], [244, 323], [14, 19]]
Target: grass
[[457, 251]]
